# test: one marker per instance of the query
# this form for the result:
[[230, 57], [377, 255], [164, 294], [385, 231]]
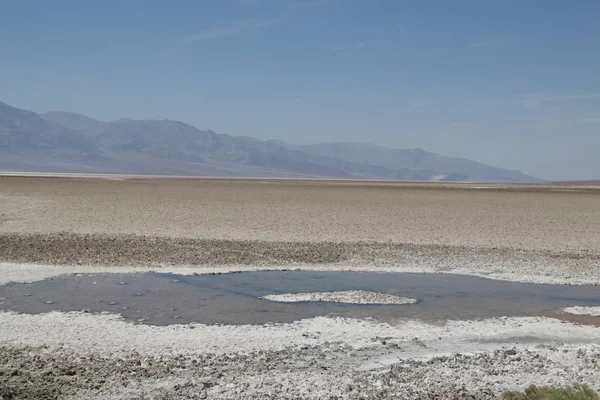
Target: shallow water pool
[[162, 299]]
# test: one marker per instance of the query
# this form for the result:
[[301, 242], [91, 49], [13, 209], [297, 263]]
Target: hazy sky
[[513, 83]]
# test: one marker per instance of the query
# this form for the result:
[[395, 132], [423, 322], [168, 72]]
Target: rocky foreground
[[308, 372], [81, 355]]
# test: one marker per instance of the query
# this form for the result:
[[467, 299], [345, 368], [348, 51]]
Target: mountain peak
[[63, 141], [74, 122]]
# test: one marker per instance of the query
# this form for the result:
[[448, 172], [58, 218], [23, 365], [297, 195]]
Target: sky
[[512, 83]]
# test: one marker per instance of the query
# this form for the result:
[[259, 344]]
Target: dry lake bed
[[121, 287]]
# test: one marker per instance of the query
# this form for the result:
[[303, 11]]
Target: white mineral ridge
[[578, 310], [348, 296]]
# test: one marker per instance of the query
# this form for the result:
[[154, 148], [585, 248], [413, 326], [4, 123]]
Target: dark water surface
[[163, 299]]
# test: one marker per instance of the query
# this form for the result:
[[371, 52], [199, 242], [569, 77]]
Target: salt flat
[[52, 226], [517, 217]]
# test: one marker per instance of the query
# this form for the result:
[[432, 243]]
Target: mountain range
[[60, 141]]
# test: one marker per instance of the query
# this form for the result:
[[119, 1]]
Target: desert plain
[[86, 225]]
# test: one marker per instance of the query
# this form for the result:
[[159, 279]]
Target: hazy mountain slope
[[64, 141], [24, 132], [75, 122], [173, 140], [416, 159], [162, 139]]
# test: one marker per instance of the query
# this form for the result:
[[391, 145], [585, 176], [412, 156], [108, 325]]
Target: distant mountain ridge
[[60, 141], [415, 159]]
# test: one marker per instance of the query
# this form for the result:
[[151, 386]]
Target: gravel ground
[[50, 227], [43, 255]]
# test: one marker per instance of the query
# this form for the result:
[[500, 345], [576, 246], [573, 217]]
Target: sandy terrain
[[50, 227]]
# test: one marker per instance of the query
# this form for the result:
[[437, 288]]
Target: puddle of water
[[163, 299]]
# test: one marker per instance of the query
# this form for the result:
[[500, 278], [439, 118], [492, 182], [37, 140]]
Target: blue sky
[[513, 83]]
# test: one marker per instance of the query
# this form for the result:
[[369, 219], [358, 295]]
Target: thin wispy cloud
[[590, 118], [111, 49], [549, 123], [423, 103], [482, 43], [537, 100], [308, 3], [241, 27], [362, 44], [351, 46], [230, 30]]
